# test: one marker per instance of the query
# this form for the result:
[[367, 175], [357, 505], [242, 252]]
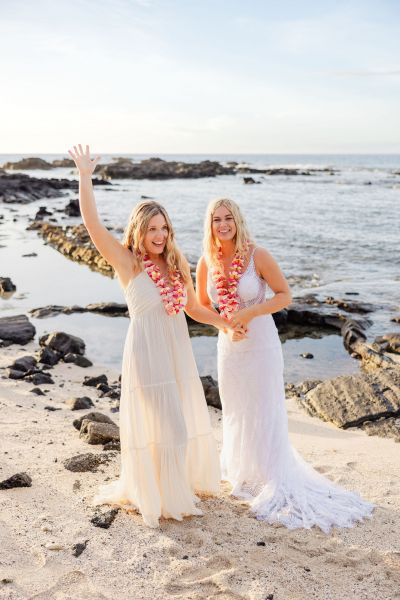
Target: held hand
[[237, 334], [84, 163], [243, 317]]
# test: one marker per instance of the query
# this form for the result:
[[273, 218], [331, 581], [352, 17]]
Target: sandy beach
[[225, 554]]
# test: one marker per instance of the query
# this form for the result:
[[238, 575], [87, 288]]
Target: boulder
[[157, 168], [93, 416], [47, 356], [63, 343], [17, 480], [77, 359], [105, 519], [211, 391], [79, 403], [98, 433], [17, 329], [25, 363], [7, 288], [94, 381], [72, 209], [85, 462], [64, 162]]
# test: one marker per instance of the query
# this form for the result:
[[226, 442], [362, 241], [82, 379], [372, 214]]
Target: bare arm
[[201, 312], [119, 257], [269, 270], [201, 284]]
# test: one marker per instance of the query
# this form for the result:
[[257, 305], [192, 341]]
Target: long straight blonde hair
[[136, 230], [210, 243]]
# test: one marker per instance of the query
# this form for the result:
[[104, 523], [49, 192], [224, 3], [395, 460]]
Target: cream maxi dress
[[167, 447], [257, 457]]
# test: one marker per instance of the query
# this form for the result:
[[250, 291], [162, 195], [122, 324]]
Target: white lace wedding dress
[[167, 447], [257, 457]]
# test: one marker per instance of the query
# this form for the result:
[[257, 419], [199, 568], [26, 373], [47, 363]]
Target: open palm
[[84, 163]]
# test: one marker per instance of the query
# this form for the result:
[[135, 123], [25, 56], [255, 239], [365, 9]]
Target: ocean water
[[330, 233]]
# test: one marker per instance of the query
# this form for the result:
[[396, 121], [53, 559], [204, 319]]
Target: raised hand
[[84, 163]]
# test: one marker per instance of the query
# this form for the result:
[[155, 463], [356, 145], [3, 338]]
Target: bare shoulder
[[262, 256], [202, 264]]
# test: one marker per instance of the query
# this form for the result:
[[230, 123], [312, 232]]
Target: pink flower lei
[[172, 290], [228, 301]]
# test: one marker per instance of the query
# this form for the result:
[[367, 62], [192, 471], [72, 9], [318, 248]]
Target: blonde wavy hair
[[135, 233], [242, 237]]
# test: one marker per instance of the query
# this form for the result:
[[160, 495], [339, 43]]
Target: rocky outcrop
[[96, 417], [110, 309], [63, 162], [282, 170], [354, 400], [75, 243], [22, 189], [157, 168], [17, 329], [28, 164]]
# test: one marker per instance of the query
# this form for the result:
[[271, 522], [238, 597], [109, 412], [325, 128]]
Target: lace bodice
[[251, 288]]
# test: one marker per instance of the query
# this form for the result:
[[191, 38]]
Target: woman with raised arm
[[167, 447], [257, 457]]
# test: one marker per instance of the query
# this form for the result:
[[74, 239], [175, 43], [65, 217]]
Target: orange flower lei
[[172, 290], [228, 301]]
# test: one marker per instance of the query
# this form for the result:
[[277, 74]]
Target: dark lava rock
[[113, 445], [157, 168], [72, 208], [79, 403], [94, 381], [17, 480], [47, 356], [111, 309], [25, 363], [106, 519], [47, 311], [98, 433], [17, 329], [6, 287], [39, 378], [21, 188], [29, 255], [51, 408], [250, 180], [85, 462], [307, 355], [396, 319], [37, 391], [15, 373], [351, 400], [63, 343], [42, 213], [103, 387], [77, 359], [77, 549], [354, 306], [211, 391], [92, 416]]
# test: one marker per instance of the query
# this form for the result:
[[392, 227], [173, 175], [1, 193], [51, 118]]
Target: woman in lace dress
[[167, 448], [257, 457]]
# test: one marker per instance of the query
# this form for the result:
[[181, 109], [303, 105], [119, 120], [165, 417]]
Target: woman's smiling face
[[156, 235], [223, 224]]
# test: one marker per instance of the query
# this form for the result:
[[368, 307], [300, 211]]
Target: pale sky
[[212, 76]]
